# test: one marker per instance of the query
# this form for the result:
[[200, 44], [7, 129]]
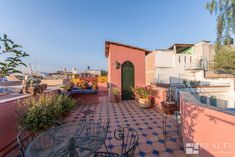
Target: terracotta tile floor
[[147, 122]]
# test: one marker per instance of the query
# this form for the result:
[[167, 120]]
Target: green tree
[[228, 41], [225, 11], [104, 73], [224, 59], [12, 57]]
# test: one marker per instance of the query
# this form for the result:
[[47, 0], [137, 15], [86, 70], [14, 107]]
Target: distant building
[[187, 61], [56, 75], [94, 72], [74, 70], [126, 67]]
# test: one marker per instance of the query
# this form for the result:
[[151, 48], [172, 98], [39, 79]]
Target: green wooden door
[[128, 74]]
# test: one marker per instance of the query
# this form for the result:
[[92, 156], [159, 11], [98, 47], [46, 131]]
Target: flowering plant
[[115, 91], [145, 92]]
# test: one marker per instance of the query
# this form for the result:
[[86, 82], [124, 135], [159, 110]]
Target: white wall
[[165, 59], [171, 64], [168, 62]]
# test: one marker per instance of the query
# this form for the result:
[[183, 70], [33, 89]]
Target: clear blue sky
[[72, 33]]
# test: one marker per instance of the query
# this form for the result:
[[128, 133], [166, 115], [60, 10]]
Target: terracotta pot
[[169, 107], [144, 103], [116, 98]]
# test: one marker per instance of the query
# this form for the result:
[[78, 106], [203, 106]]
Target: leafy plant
[[224, 60], [115, 91], [185, 82], [40, 113], [224, 9], [84, 84], [67, 86], [194, 83], [94, 86], [145, 92], [104, 73], [14, 57]]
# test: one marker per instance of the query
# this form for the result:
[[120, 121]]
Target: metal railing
[[166, 79], [223, 102]]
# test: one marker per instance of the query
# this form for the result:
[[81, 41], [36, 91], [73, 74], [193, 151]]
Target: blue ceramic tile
[[161, 141], [173, 139], [110, 146], [144, 134], [149, 142], [155, 134], [155, 152], [142, 154]]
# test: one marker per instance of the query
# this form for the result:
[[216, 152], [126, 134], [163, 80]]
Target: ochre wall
[[122, 54]]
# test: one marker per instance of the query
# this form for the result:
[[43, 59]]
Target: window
[[190, 59], [184, 59], [179, 59]]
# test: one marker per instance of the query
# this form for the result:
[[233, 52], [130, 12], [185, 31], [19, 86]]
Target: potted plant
[[145, 96], [84, 84], [115, 93], [94, 86], [169, 106]]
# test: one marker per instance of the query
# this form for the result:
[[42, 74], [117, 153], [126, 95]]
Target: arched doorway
[[128, 80]]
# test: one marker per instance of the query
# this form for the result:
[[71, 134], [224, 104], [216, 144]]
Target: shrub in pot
[[67, 87], [145, 96], [84, 84], [94, 86], [116, 94]]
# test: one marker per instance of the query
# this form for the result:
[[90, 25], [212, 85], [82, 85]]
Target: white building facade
[[187, 61]]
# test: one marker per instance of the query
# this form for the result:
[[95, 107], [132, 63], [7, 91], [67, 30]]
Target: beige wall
[[178, 68], [203, 50], [150, 67], [52, 82]]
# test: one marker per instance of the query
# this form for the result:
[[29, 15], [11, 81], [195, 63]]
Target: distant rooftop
[[182, 46]]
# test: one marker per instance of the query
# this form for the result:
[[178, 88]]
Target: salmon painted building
[[126, 67]]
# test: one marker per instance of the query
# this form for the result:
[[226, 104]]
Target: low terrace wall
[[207, 126]]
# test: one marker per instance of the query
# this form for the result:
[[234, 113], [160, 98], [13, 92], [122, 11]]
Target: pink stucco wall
[[9, 124], [122, 54], [213, 130]]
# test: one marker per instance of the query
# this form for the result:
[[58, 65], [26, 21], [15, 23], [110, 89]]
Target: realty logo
[[192, 148]]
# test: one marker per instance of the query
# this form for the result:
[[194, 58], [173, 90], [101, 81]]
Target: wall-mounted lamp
[[117, 65]]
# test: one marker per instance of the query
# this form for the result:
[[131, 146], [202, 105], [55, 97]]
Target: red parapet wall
[[213, 130], [9, 125]]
